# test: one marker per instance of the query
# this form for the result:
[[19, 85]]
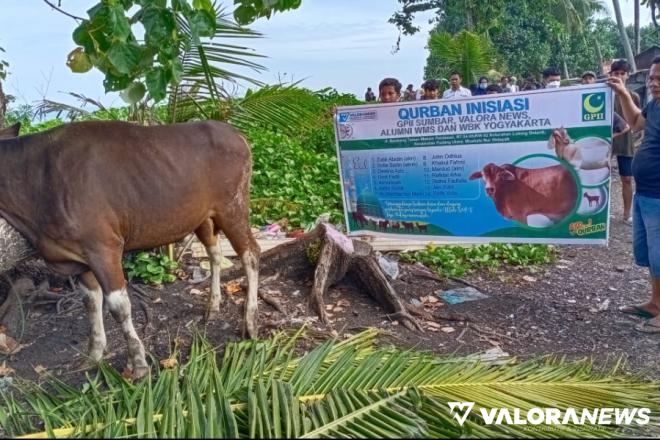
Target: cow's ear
[[476, 175], [507, 175]]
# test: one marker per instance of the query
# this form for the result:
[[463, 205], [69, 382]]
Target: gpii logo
[[593, 106]]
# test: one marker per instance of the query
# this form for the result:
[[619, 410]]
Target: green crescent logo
[[593, 106], [589, 105]]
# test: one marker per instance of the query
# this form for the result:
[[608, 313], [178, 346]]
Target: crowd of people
[[431, 89], [642, 210]]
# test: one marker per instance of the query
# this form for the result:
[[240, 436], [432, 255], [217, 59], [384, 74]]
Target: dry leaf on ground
[[169, 363], [233, 287], [5, 370], [40, 370], [8, 345]]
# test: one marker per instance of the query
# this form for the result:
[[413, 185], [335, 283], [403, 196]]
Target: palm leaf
[[206, 66], [288, 109], [350, 388], [467, 53]]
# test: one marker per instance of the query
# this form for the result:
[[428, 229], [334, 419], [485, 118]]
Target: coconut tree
[[654, 6], [469, 54], [625, 41], [636, 27]]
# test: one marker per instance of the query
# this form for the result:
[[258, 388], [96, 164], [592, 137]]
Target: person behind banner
[[456, 91], [409, 93], [389, 90], [512, 87], [493, 89], [370, 95], [481, 87], [646, 200], [551, 78], [588, 77], [430, 88], [623, 146]]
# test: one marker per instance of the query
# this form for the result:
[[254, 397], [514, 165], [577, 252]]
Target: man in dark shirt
[[646, 201]]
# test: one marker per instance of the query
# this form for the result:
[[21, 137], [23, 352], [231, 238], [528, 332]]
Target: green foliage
[[291, 181], [354, 388], [249, 10], [455, 261], [286, 109], [467, 53], [546, 32], [23, 114], [3, 67], [150, 267], [172, 49]]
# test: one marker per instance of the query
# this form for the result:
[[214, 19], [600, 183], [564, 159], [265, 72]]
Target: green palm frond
[[206, 66], [467, 53], [574, 14], [289, 109], [341, 389]]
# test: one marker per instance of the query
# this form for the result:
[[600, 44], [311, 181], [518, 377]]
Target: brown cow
[[85, 193], [520, 192], [10, 132]]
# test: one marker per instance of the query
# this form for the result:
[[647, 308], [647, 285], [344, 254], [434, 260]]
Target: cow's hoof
[[250, 331], [211, 315], [139, 372]]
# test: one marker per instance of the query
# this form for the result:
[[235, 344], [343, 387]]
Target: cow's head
[[559, 137], [495, 176], [10, 132]]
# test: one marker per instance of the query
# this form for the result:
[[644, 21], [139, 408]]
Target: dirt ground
[[551, 311]]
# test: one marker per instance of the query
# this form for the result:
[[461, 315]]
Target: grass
[[456, 261]]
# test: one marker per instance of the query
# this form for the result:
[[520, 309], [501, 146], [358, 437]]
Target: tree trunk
[[624, 35], [599, 54], [3, 106], [638, 43], [328, 256], [14, 248]]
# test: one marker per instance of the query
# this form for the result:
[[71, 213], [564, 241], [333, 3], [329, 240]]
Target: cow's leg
[[106, 265], [209, 239], [237, 230], [97, 341]]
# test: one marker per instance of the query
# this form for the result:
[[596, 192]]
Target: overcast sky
[[346, 44]]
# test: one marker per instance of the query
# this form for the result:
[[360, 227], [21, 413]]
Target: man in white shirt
[[456, 91]]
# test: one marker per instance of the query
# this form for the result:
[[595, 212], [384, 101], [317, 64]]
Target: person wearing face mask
[[551, 78], [481, 87]]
